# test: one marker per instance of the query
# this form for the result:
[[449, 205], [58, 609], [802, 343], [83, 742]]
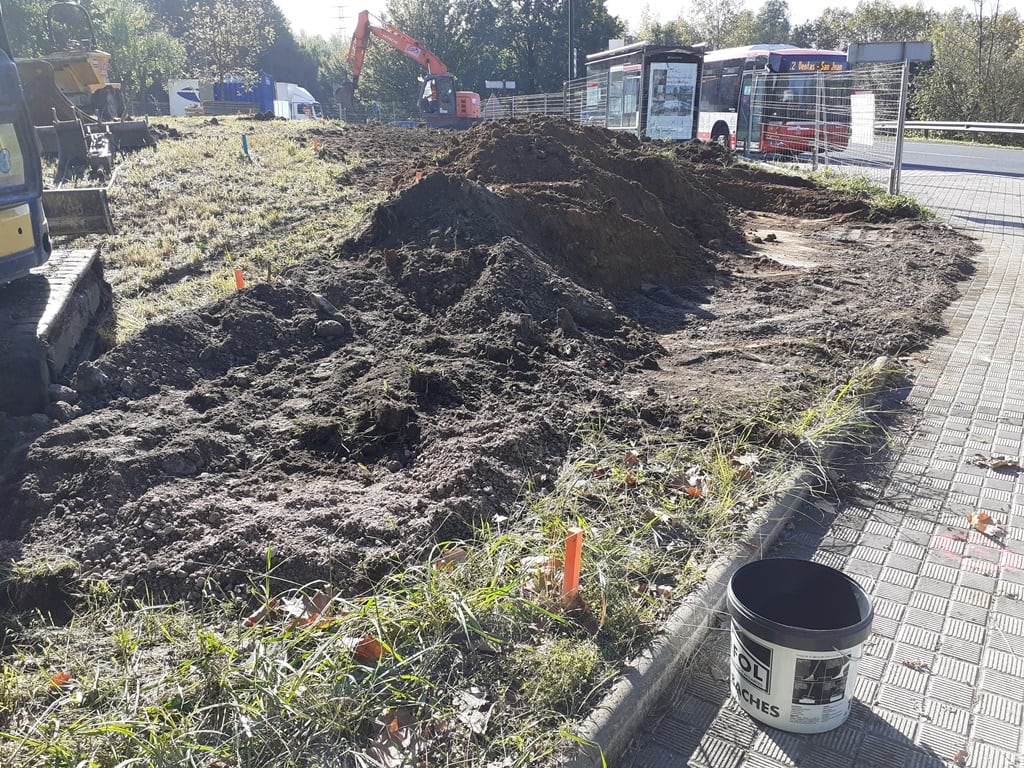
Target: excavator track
[[48, 324]]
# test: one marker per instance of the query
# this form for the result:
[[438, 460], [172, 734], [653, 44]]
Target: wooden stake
[[239, 279], [571, 575]]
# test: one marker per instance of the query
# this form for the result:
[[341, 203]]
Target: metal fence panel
[[852, 115]]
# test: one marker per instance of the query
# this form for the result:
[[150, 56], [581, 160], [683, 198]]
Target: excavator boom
[[394, 37]]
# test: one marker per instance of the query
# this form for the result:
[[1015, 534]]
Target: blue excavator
[[50, 298]]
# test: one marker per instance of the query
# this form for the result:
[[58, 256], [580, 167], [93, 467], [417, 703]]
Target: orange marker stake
[[239, 279], [571, 576]]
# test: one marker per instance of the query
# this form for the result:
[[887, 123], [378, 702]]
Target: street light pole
[[572, 64]]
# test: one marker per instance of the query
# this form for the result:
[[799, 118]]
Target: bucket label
[[753, 661], [820, 681]]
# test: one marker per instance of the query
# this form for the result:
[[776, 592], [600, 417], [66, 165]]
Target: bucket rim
[[803, 638]]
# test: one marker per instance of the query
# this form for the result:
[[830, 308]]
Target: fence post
[[820, 84], [752, 105], [901, 120]]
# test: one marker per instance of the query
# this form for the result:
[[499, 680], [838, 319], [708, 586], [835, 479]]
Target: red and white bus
[[775, 98]]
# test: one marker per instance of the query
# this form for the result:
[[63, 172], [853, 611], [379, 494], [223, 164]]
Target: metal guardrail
[[925, 125]]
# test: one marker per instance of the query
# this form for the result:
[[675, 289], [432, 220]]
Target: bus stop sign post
[[901, 120]]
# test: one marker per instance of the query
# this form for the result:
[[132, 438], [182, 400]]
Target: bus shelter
[[650, 90]]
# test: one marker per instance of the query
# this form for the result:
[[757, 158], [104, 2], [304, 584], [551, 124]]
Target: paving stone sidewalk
[[941, 683]]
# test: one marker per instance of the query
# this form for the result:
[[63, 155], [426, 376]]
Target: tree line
[[977, 73]]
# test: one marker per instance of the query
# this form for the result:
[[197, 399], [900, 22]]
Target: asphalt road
[[963, 158]]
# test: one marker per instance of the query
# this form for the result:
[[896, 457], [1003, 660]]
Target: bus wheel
[[721, 136]]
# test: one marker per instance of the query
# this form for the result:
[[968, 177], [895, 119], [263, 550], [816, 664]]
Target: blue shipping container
[[262, 94]]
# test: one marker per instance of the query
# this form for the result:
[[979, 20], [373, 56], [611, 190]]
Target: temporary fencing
[[854, 115], [864, 104], [855, 119]]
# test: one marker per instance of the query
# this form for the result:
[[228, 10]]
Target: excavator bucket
[[81, 211], [129, 134], [345, 95]]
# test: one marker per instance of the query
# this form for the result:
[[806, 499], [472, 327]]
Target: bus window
[[729, 92]]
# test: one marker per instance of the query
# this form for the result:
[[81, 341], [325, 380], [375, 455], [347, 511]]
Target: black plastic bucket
[[797, 630]]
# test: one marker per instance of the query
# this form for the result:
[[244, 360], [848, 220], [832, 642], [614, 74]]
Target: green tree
[[771, 23], [882, 20], [976, 73], [226, 37], [870, 21], [829, 31], [143, 56], [26, 27], [534, 34], [716, 21], [286, 59], [677, 32], [174, 15], [744, 31]]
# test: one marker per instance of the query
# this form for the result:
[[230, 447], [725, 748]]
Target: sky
[[327, 19]]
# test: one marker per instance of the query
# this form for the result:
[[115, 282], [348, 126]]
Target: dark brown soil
[[415, 381]]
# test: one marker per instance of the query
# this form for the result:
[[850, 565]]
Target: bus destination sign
[[816, 66]]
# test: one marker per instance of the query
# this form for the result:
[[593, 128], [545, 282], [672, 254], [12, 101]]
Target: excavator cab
[[24, 235], [80, 69], [438, 95], [445, 107]]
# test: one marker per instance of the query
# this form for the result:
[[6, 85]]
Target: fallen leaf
[[398, 743], [1004, 462], [545, 565], [451, 558], [259, 615], [983, 523], [474, 710], [694, 492], [960, 758], [998, 461], [307, 609], [918, 666], [746, 459], [580, 612], [365, 650], [631, 460]]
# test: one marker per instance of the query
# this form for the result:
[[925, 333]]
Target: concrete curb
[[607, 731]]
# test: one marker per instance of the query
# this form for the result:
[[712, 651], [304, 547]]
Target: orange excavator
[[441, 104]]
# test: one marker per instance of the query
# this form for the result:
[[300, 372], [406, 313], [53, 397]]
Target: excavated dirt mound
[[390, 394]]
